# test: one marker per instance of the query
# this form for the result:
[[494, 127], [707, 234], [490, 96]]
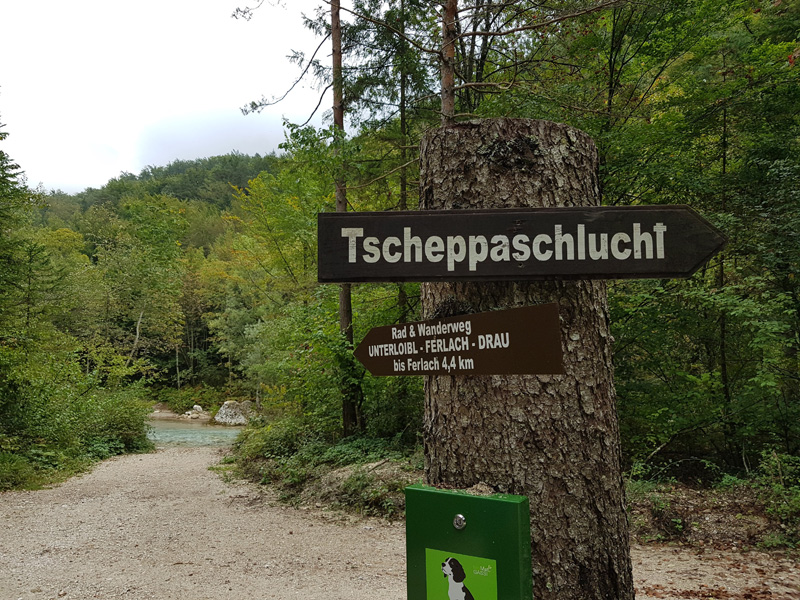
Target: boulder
[[232, 413], [197, 408]]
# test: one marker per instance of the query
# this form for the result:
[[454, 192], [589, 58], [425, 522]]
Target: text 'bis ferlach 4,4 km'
[[523, 340]]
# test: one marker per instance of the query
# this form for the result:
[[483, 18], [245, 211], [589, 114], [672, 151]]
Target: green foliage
[[779, 477], [58, 422], [636, 490], [280, 439], [729, 482], [707, 367], [289, 453], [363, 493], [114, 420], [211, 181], [294, 442], [198, 279], [183, 400], [16, 472], [57, 414], [690, 101]]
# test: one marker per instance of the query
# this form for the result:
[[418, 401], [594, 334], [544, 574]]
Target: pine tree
[[14, 197]]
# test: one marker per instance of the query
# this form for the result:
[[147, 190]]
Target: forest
[[195, 282]]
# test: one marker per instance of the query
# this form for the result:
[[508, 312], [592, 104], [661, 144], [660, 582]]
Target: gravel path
[[163, 526]]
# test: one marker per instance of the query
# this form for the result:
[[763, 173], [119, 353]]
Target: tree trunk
[[402, 295], [136, 339], [449, 40], [552, 438], [352, 420], [729, 421]]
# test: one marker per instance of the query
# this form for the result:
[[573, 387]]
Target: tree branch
[[316, 108], [385, 25], [258, 106], [543, 24], [384, 175]]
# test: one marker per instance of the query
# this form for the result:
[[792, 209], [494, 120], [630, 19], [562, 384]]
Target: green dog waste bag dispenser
[[464, 546]]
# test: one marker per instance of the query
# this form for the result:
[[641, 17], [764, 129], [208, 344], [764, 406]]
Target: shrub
[[779, 477], [363, 493], [280, 438], [15, 471], [359, 450], [293, 455], [61, 427]]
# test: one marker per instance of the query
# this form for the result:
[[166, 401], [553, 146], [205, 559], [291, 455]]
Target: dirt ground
[[163, 526]]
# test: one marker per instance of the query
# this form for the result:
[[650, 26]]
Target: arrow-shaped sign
[[515, 341], [604, 242]]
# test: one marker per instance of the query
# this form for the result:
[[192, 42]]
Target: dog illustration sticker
[[451, 576]]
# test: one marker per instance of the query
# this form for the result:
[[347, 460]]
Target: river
[[191, 433]]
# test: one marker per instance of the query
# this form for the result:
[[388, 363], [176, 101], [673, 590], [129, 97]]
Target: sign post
[[634, 242], [527, 195], [516, 341]]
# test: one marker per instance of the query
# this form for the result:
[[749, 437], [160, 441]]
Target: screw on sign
[[515, 341]]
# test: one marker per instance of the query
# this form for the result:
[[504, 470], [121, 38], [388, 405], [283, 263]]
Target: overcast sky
[[93, 88]]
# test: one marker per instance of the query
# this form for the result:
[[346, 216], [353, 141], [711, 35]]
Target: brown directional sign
[[605, 242], [515, 341]]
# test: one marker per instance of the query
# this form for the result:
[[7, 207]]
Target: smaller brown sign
[[515, 341]]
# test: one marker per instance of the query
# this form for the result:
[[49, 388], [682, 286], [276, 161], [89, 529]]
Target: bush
[[779, 477], [365, 494], [292, 455], [359, 450], [291, 437], [278, 439], [61, 426], [114, 422], [15, 471]]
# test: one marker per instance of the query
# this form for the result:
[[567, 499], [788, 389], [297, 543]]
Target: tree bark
[[449, 40], [552, 438]]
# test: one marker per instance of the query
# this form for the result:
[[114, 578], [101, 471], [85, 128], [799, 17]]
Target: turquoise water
[[168, 432]]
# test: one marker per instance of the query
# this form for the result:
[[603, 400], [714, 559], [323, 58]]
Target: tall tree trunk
[[403, 307], [338, 96], [730, 427], [449, 39], [351, 390], [552, 438]]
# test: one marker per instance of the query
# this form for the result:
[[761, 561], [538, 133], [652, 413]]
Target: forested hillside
[[195, 282]]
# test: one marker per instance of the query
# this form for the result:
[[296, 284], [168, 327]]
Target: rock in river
[[232, 413]]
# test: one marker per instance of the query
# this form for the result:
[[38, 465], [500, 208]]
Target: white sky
[[93, 88]]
